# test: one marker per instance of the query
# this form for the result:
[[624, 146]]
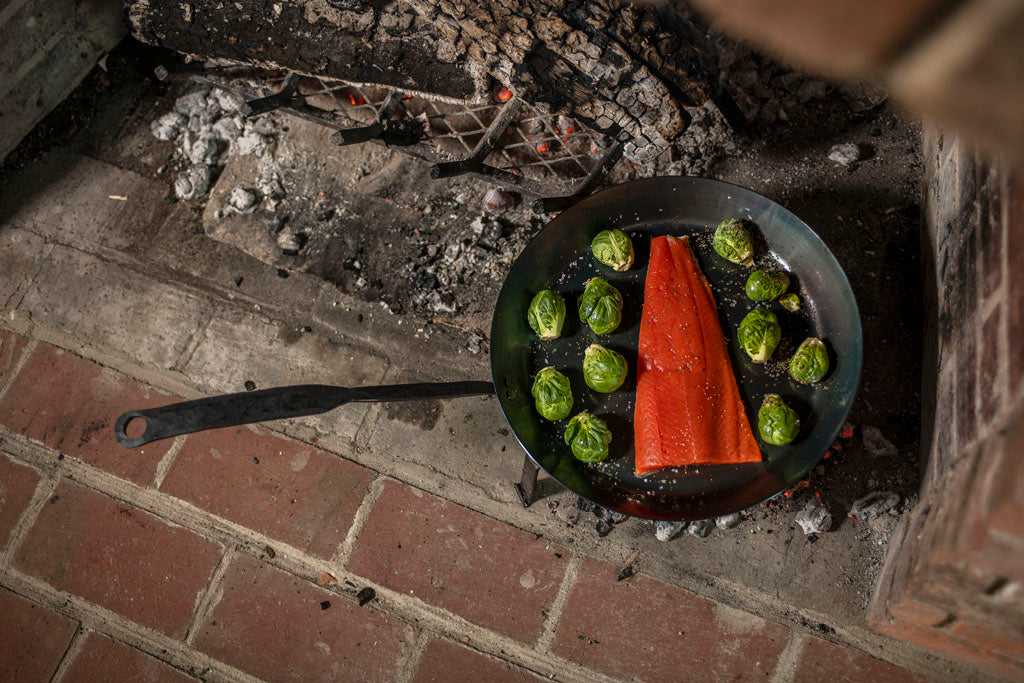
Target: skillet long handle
[[275, 404]]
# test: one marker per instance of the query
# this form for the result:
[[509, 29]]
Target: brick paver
[[274, 625], [446, 662], [70, 404], [11, 346], [17, 484], [282, 488], [33, 639], [645, 628], [119, 557], [484, 570], [103, 659], [823, 661]]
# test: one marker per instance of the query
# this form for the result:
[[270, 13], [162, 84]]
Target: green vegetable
[[763, 285], [777, 423], [759, 334], [810, 362], [546, 314], [552, 394], [600, 306], [604, 370], [791, 302], [613, 248], [589, 437], [732, 242]]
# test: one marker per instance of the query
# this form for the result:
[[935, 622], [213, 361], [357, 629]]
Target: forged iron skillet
[[559, 258]]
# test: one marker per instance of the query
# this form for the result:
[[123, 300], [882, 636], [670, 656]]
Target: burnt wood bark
[[627, 70]]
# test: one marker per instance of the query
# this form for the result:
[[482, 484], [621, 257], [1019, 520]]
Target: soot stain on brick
[[422, 414]]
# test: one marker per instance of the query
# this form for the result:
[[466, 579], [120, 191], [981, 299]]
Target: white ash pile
[[206, 127]]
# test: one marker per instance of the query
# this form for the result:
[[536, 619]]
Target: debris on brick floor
[[874, 504], [666, 531], [326, 579], [701, 528], [365, 595], [814, 519], [728, 521], [876, 444], [844, 154], [627, 569]]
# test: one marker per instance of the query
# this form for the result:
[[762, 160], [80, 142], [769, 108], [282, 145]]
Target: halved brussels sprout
[[791, 302], [777, 423], [810, 362], [600, 306], [604, 370], [546, 314], [763, 285], [589, 437], [759, 334], [552, 394], [613, 248], [732, 242]]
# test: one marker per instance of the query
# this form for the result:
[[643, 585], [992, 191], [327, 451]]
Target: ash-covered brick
[[285, 489], [103, 659], [446, 662], [269, 623], [484, 570], [33, 638], [647, 629], [17, 485], [119, 557], [823, 661], [70, 404]]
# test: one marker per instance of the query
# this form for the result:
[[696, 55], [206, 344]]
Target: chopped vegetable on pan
[[588, 436], [552, 394], [777, 423], [763, 285], [759, 334], [604, 370], [546, 314], [732, 242], [613, 248], [600, 306], [810, 362]]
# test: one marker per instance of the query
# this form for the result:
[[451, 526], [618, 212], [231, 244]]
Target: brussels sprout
[[589, 437], [732, 242], [810, 362], [613, 248], [600, 306], [777, 423], [604, 370], [759, 334], [546, 314], [552, 394], [791, 302], [763, 285]]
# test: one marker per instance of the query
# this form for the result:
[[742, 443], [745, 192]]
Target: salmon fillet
[[688, 407]]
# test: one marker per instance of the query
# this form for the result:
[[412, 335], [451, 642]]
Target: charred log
[[350, 41], [628, 71]]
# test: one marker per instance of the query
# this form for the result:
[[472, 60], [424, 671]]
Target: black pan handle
[[275, 404]]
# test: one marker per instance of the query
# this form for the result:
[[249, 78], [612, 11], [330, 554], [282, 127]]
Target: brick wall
[[46, 48], [954, 576]]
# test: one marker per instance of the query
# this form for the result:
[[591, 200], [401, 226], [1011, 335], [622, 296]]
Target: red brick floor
[[141, 577]]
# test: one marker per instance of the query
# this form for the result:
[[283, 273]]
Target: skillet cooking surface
[[559, 258]]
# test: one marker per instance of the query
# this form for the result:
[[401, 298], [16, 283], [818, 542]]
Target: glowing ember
[[356, 101], [503, 95], [542, 147]]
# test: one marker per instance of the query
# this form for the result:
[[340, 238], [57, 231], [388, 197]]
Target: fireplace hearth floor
[[114, 303]]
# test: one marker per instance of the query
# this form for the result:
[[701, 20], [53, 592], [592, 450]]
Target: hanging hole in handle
[[135, 427]]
